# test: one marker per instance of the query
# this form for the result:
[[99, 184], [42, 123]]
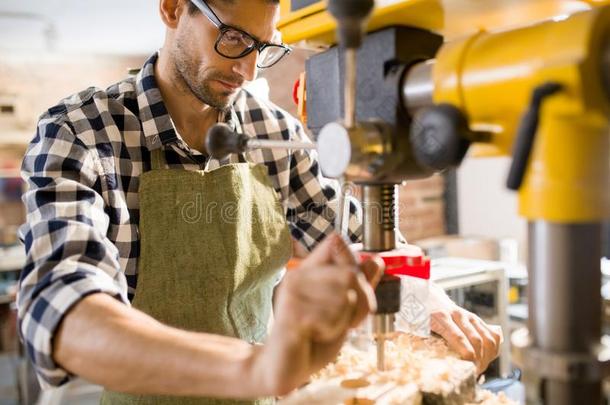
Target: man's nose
[[246, 66]]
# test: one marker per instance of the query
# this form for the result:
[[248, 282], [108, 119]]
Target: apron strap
[[157, 159]]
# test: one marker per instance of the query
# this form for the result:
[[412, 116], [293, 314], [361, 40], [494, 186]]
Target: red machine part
[[403, 263]]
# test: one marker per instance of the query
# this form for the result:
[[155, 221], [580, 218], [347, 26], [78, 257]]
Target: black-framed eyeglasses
[[234, 43]]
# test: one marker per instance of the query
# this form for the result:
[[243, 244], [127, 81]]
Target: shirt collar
[[157, 124]]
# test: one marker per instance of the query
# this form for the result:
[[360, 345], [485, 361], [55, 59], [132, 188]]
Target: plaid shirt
[[83, 169]]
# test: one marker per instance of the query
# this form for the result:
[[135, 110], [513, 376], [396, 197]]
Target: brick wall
[[38, 83], [422, 208]]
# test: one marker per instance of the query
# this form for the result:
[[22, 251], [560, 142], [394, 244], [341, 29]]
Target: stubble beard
[[198, 82]]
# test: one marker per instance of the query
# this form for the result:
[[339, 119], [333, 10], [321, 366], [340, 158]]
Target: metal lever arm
[[222, 141]]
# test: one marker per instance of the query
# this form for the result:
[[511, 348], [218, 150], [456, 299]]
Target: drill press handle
[[222, 141], [527, 134]]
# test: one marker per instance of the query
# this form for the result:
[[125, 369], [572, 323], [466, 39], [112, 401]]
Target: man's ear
[[171, 11]]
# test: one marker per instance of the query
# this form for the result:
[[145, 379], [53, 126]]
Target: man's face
[[212, 78]]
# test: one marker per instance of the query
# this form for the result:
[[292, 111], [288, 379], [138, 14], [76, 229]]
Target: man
[[125, 207]]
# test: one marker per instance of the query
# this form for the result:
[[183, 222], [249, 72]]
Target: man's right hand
[[316, 306], [125, 350]]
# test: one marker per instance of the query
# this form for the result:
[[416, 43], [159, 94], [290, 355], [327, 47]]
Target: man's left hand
[[464, 331]]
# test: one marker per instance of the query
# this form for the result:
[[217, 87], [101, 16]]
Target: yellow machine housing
[[491, 76], [496, 54], [309, 21], [490, 73]]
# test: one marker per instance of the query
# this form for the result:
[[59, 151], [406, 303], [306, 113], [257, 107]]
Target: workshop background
[[52, 48]]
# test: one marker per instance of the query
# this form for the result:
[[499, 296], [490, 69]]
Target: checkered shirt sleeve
[[68, 253]]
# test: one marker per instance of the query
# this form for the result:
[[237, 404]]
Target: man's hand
[[316, 306], [464, 332]]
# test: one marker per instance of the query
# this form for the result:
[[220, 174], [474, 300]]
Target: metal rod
[[270, 144], [351, 61], [339, 224], [381, 353], [383, 327], [565, 303], [418, 87]]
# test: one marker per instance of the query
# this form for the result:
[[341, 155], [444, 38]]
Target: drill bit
[[382, 327], [381, 352]]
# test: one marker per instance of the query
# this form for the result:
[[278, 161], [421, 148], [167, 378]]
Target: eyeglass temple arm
[[205, 9]]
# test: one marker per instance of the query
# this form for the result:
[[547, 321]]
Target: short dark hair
[[193, 8]]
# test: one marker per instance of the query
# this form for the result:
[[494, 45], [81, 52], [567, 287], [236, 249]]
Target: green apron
[[212, 244]]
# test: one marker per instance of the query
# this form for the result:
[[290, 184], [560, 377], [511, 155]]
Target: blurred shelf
[[12, 259], [518, 311], [9, 174], [6, 299], [15, 137]]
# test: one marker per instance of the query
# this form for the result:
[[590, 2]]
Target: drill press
[[418, 108], [369, 152], [552, 77]]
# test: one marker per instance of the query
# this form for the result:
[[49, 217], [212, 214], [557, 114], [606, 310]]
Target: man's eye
[[234, 38]]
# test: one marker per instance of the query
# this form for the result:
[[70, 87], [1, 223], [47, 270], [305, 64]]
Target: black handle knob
[[440, 136], [350, 16], [221, 141], [527, 133]]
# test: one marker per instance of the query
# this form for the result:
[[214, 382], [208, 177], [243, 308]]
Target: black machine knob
[[221, 141], [350, 16], [388, 295], [440, 136]]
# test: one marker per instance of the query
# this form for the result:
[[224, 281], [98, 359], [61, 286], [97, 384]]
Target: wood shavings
[[359, 401], [355, 383], [419, 371]]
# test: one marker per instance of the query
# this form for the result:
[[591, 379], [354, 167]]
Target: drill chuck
[[388, 295]]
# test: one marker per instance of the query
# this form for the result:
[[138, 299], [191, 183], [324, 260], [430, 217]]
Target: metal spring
[[389, 197]]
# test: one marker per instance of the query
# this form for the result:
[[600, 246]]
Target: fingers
[[321, 254], [492, 339], [330, 291], [468, 335], [472, 334], [332, 250], [366, 301], [370, 273], [328, 298], [496, 332], [489, 348], [373, 270], [325, 324], [345, 291], [442, 323], [341, 252]]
